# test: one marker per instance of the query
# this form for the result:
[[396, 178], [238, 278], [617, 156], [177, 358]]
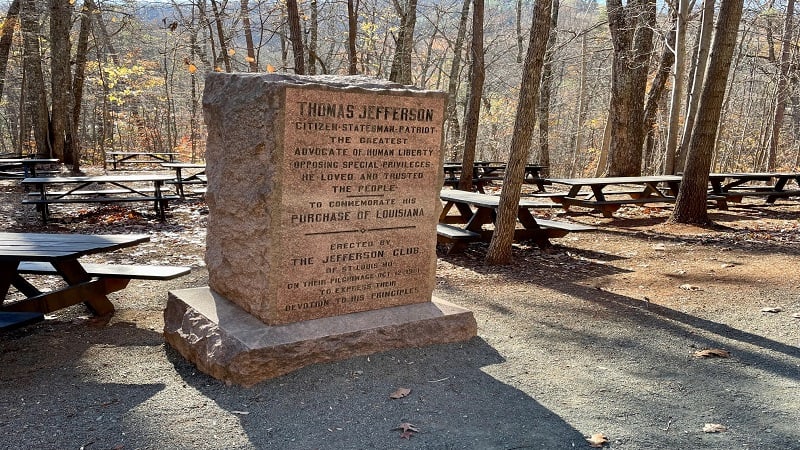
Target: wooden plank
[[13, 320], [132, 271]]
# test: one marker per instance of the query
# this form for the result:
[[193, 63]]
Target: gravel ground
[[598, 335]]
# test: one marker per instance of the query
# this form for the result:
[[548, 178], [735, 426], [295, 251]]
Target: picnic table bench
[[476, 210], [627, 190], [119, 158], [124, 188], [59, 254], [23, 167], [735, 186], [196, 174]]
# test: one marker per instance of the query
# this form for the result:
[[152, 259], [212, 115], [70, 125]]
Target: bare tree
[[632, 37], [454, 130], [296, 36], [691, 204], [352, 35], [500, 247], [546, 87], [401, 65], [6, 38], [477, 77], [781, 90]]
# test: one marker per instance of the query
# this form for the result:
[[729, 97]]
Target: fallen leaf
[[597, 440], [400, 393], [406, 435], [405, 426], [796, 315], [772, 309], [689, 287], [712, 353], [714, 428]]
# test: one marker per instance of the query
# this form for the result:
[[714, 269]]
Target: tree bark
[[472, 116], [248, 36], [401, 64], [60, 82], [35, 93], [296, 37], [454, 130], [223, 46], [781, 90], [544, 102], [313, 36], [699, 64], [6, 39], [352, 35], [682, 16], [657, 90], [81, 56], [632, 38], [500, 247], [691, 204]]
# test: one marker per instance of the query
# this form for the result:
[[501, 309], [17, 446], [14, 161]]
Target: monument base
[[226, 342]]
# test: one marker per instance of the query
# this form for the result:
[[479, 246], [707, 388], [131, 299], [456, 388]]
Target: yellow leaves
[[192, 68], [71, 2], [231, 52], [270, 68], [218, 69], [250, 59]]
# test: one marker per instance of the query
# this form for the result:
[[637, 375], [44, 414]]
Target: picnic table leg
[[529, 222], [7, 271], [73, 273]]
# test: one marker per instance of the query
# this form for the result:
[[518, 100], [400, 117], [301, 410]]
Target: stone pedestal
[[323, 198], [228, 343]]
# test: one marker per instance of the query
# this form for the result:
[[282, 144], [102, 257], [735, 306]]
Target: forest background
[[139, 68], [613, 89]]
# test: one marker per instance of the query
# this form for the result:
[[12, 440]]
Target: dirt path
[[597, 336]]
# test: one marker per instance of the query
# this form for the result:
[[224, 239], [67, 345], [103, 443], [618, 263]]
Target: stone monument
[[323, 197]]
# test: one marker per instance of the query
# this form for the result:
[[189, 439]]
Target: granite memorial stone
[[323, 204]]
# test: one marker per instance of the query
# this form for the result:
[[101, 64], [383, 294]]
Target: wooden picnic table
[[476, 210], [124, 188], [22, 254], [624, 190], [116, 158], [196, 175], [734, 186], [23, 167]]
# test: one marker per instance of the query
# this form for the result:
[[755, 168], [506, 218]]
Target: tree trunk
[[454, 131], [782, 91], [81, 56], [682, 16], [657, 90], [699, 64], [60, 83], [520, 37], [36, 97], [248, 36], [223, 46], [313, 33], [691, 204], [632, 37], [352, 35], [500, 247], [472, 116], [6, 39], [544, 94], [296, 37], [401, 64]]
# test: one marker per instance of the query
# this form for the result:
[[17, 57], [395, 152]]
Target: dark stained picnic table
[[24, 254], [124, 188], [475, 210], [624, 190], [196, 174], [62, 252], [734, 186], [118, 158], [10, 167]]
